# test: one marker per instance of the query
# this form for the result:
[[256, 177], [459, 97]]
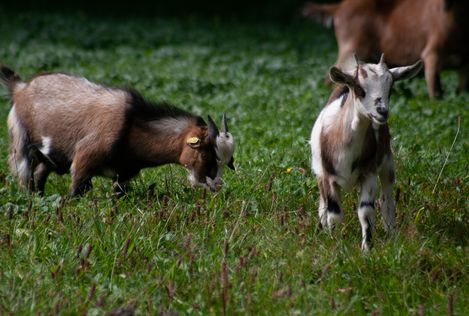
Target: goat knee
[[81, 180], [334, 213]]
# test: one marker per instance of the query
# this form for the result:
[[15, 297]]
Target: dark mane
[[142, 109]]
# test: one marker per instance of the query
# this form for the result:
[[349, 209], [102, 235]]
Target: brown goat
[[436, 31], [60, 123]]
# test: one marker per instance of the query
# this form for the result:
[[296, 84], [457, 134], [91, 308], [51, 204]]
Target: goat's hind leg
[[432, 75], [366, 209], [34, 160], [43, 166]]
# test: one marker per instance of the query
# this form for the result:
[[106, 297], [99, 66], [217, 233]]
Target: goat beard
[[213, 185]]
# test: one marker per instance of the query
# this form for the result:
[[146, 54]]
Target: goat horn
[[224, 126], [212, 130], [356, 59], [381, 59]]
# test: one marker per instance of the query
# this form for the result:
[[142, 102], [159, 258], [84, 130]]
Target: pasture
[[255, 247]]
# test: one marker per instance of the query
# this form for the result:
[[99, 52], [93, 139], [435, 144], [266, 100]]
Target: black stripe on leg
[[333, 206], [368, 232], [367, 203]]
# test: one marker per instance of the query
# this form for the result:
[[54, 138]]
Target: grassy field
[[255, 247]]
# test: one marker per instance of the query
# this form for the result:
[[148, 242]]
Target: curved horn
[[212, 130], [224, 126]]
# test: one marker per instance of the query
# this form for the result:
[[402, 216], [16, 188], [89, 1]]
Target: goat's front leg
[[86, 160], [330, 213], [388, 206], [366, 208]]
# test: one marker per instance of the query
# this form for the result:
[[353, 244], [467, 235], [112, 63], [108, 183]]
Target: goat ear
[[406, 72], [193, 142], [212, 130], [338, 76]]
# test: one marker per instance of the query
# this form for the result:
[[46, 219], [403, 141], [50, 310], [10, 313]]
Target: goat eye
[[204, 156]]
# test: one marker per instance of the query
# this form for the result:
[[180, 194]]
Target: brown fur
[[337, 92], [332, 140], [404, 30], [373, 149], [95, 130]]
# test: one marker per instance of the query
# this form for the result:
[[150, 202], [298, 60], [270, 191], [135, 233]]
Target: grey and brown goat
[[60, 123], [351, 144]]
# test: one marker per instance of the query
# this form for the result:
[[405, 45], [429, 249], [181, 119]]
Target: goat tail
[[18, 158], [321, 13], [8, 77]]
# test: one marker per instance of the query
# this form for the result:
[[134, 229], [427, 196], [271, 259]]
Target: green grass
[[255, 247]]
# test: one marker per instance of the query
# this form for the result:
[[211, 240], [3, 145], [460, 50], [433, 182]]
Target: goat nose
[[382, 110]]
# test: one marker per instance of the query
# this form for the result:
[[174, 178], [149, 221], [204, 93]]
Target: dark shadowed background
[[246, 9]]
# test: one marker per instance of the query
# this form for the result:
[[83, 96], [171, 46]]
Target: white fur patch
[[334, 219], [17, 160], [13, 118], [20, 86], [324, 120], [22, 169], [212, 185], [192, 178], [46, 145]]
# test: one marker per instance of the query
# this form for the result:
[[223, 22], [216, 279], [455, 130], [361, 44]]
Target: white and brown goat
[[60, 123], [350, 144]]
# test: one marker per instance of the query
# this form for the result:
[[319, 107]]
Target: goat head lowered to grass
[[60, 123], [351, 144]]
